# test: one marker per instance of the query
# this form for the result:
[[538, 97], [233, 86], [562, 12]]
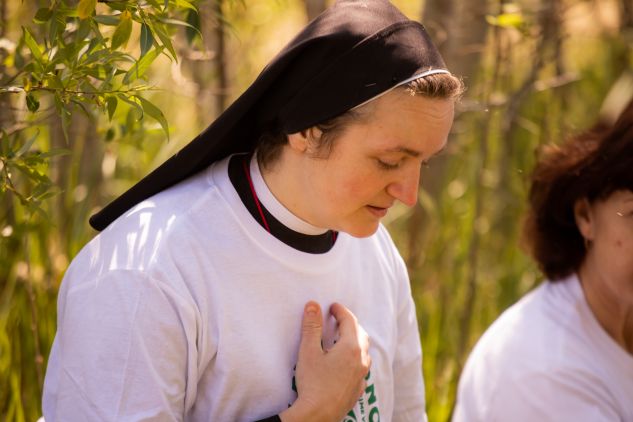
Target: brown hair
[[441, 85], [591, 165]]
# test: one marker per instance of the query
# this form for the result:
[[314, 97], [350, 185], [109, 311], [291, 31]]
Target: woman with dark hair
[[565, 351], [187, 306]]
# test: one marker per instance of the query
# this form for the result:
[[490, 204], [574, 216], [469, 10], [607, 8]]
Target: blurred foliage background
[[94, 94]]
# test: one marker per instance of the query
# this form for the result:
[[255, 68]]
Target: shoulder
[[148, 241], [536, 350]]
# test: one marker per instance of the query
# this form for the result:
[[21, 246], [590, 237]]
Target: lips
[[377, 211]]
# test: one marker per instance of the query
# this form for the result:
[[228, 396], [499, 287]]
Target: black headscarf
[[351, 53]]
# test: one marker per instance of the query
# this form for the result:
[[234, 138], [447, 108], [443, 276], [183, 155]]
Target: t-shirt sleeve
[[125, 349], [409, 400]]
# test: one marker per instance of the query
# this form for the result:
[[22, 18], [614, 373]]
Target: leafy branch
[[79, 54]]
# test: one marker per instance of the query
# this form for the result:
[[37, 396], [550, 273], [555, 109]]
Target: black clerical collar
[[239, 175]]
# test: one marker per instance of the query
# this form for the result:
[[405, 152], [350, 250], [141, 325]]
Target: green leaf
[[70, 12], [55, 152], [30, 172], [66, 120], [506, 20], [155, 112], [57, 26], [85, 8], [193, 19], [141, 66], [27, 145], [184, 4], [108, 20], [180, 23], [118, 5], [165, 39], [111, 103], [110, 134], [32, 103], [147, 39], [134, 104], [122, 31], [83, 32], [54, 81], [43, 15], [30, 42]]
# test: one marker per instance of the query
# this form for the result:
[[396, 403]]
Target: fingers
[[347, 323], [349, 328], [353, 335], [311, 328]]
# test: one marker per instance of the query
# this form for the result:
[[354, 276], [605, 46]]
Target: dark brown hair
[[441, 85], [591, 165]]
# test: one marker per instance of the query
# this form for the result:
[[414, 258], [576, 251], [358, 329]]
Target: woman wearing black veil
[[188, 304]]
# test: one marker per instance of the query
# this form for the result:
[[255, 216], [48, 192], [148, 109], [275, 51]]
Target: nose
[[405, 187]]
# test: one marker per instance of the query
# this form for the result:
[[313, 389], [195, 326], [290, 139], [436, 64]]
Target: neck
[[612, 312], [283, 178]]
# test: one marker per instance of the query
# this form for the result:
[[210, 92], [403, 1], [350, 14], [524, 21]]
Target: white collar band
[[276, 208]]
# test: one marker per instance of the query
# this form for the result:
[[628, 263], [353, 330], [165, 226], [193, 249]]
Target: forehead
[[621, 195], [405, 108], [411, 120]]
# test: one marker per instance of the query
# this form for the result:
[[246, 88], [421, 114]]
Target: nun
[[188, 305]]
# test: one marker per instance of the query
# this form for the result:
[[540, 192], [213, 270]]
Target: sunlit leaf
[[155, 112], [85, 8], [183, 3], [30, 42], [141, 66], [123, 30], [506, 20], [161, 32]]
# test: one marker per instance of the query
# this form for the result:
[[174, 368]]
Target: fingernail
[[311, 309]]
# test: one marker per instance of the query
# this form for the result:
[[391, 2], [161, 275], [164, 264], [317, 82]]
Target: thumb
[[311, 327]]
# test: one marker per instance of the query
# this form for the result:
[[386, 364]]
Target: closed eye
[[385, 165]]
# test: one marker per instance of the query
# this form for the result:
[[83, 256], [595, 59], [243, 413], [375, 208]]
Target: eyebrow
[[414, 153]]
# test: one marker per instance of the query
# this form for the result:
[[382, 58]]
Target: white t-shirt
[[547, 359], [185, 308]]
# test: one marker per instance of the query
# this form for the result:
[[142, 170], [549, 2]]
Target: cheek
[[358, 188]]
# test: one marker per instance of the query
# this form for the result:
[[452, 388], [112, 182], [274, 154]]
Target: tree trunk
[[458, 29]]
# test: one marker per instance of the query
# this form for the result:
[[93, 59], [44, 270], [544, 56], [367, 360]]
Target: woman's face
[[373, 163], [608, 225]]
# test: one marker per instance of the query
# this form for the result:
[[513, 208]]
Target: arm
[[122, 352], [409, 396], [329, 382]]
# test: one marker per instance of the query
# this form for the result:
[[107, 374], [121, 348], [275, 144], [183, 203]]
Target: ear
[[305, 141], [583, 214], [298, 141]]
